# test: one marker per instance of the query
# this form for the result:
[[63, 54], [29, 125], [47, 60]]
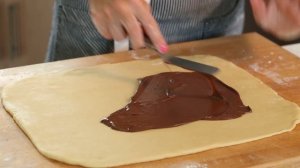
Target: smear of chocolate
[[175, 98]]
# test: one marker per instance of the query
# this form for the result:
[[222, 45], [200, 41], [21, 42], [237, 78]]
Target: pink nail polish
[[163, 48]]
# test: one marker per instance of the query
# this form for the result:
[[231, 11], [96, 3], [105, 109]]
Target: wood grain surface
[[275, 66]]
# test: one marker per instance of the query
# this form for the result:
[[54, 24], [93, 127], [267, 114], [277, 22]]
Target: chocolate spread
[[175, 98]]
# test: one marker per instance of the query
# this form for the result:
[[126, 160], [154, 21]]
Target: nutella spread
[[175, 98]]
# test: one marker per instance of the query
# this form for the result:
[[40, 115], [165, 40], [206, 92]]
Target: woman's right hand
[[119, 19]]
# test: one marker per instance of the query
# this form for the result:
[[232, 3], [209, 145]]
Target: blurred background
[[24, 31], [25, 28]]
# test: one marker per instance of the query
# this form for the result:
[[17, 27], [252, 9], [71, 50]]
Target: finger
[[259, 8], [104, 32], [114, 26], [151, 28], [153, 32], [117, 31], [133, 29], [99, 20], [101, 27], [129, 23]]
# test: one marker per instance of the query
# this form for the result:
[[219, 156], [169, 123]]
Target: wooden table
[[276, 67]]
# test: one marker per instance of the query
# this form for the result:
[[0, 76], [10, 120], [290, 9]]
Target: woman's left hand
[[278, 17]]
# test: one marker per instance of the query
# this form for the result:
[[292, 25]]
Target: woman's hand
[[117, 19], [279, 17]]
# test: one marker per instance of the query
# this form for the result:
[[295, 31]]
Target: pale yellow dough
[[61, 113]]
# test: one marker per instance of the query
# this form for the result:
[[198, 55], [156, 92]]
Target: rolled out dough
[[61, 113]]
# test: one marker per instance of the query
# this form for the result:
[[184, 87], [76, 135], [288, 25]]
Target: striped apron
[[74, 35]]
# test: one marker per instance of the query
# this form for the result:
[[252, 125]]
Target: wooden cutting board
[[276, 67]]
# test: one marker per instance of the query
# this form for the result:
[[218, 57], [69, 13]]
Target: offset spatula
[[184, 63]]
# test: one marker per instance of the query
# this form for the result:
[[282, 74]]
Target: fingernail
[[163, 48]]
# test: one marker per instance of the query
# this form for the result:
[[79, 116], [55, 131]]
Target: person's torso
[[74, 34]]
